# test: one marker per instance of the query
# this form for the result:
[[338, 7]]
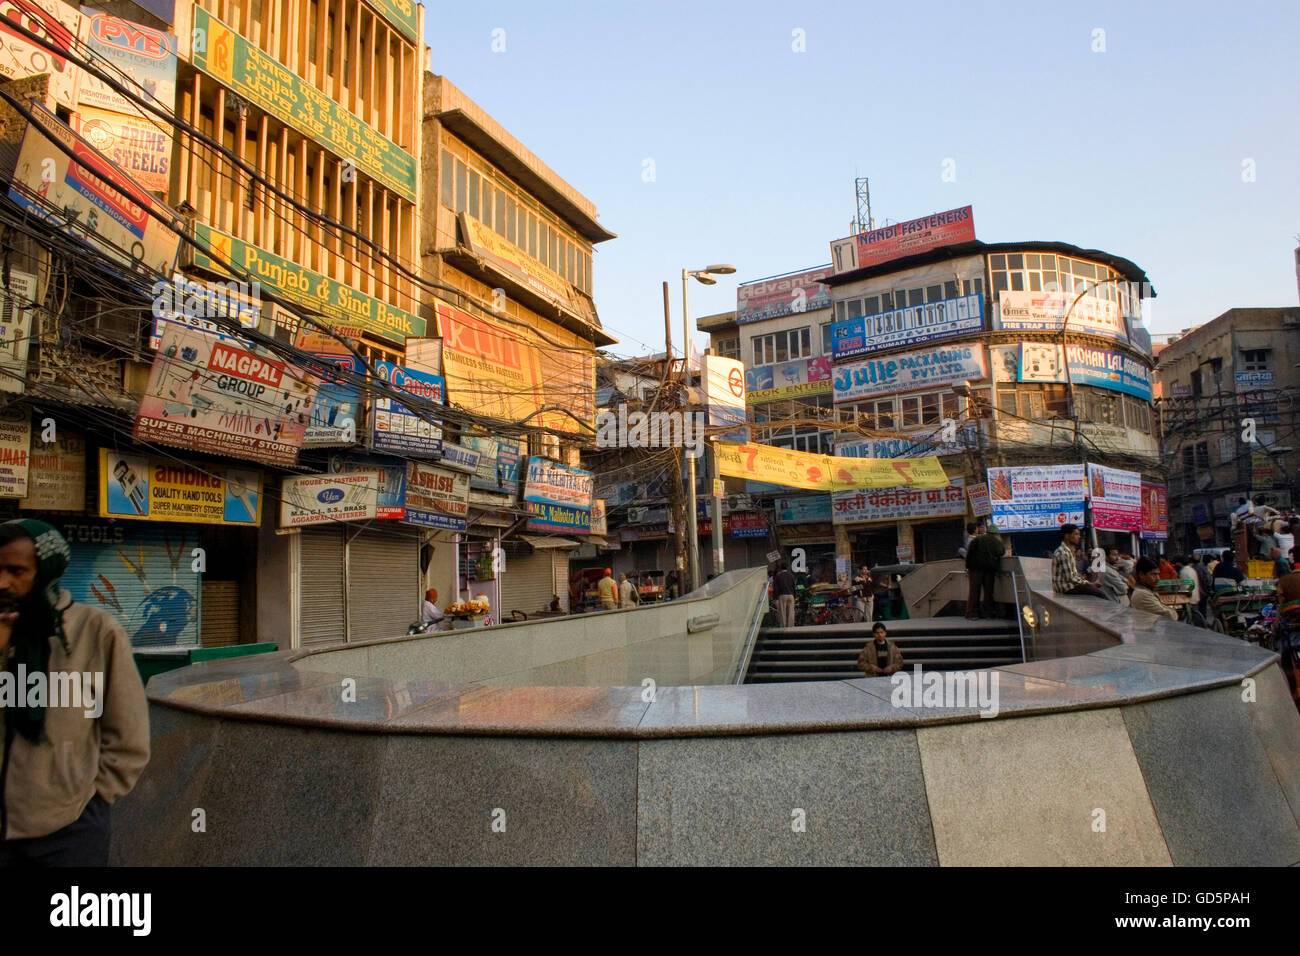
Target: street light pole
[[692, 532]]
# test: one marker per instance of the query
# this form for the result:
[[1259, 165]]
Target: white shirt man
[[627, 596]]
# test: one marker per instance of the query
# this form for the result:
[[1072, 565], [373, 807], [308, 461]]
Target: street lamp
[[973, 409], [705, 277]]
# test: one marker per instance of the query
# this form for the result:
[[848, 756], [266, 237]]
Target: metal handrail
[[942, 580], [743, 671], [1020, 622]]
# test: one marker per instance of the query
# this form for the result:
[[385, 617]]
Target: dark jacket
[[985, 552], [783, 583], [867, 659]]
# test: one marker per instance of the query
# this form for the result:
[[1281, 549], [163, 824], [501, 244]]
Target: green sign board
[[339, 303], [401, 14], [261, 80]]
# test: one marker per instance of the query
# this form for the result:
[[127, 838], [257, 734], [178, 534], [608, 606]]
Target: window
[[544, 237], [499, 213], [511, 212], [461, 180], [487, 203], [474, 180], [532, 235], [782, 346], [448, 181], [827, 348], [728, 348], [1256, 360]]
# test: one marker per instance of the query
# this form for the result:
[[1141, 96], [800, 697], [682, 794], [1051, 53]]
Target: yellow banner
[[159, 489], [794, 469]]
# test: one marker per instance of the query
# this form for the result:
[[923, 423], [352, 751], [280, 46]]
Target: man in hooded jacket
[[67, 755]]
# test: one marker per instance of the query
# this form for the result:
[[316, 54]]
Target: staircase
[[830, 651]]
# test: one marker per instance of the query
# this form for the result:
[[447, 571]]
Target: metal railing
[[760, 611], [1020, 621]]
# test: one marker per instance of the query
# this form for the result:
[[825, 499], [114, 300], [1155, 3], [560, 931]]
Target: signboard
[[189, 302], [498, 467], [1252, 381], [724, 390], [525, 270], [19, 56], [56, 479], [812, 508], [783, 295], [558, 519], [138, 57], [979, 499], [17, 303], [460, 458], [908, 326], [339, 303], [1116, 498], [1047, 310], [217, 394], [15, 451], [928, 368], [1100, 368], [134, 143], [919, 443], [111, 211], [489, 368], [894, 504], [558, 497], [1037, 497], [903, 553], [599, 522], [395, 427], [1155, 512], [747, 525], [158, 489], [904, 239], [825, 472], [390, 488], [401, 14], [317, 499], [436, 497], [1262, 470], [787, 380], [260, 79], [336, 410]]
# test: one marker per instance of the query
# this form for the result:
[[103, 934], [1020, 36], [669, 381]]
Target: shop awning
[[542, 543]]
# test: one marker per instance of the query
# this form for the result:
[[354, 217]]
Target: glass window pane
[[839, 311], [1085, 269], [998, 262], [930, 409], [1063, 264], [1031, 261], [473, 193], [805, 339], [1049, 282], [1016, 261], [885, 413], [1049, 262], [448, 175], [950, 290], [911, 412], [511, 210], [999, 282], [499, 213], [782, 349], [915, 296], [950, 409], [461, 173], [1035, 282], [1007, 401], [933, 293], [826, 339], [1017, 282], [886, 301]]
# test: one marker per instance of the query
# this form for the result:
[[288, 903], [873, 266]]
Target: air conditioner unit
[[636, 515], [739, 503]]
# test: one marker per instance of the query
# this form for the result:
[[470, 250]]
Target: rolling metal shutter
[[383, 581], [528, 583], [320, 586], [560, 578], [220, 625]]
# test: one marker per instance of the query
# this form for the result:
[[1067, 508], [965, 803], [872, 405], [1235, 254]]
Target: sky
[[727, 132]]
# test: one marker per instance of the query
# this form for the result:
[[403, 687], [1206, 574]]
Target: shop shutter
[[320, 586], [528, 583], [559, 578], [220, 612], [383, 582]]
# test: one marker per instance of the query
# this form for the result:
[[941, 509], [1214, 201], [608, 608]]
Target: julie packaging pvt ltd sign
[[929, 368]]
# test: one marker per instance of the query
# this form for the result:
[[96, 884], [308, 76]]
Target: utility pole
[[675, 477], [692, 534]]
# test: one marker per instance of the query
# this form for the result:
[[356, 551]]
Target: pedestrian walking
[[985, 558], [607, 591], [627, 596], [783, 585]]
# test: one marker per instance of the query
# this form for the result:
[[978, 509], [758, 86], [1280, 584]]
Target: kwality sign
[[903, 239], [783, 295]]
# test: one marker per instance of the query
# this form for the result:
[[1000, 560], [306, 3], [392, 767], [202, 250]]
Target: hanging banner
[[220, 395], [928, 368], [899, 504], [147, 488], [1048, 310], [1037, 497], [317, 499], [783, 295], [1155, 511], [436, 497], [910, 325], [15, 451], [1100, 368], [802, 377], [390, 490], [1116, 498], [56, 22], [56, 480], [792, 469], [397, 428], [111, 211]]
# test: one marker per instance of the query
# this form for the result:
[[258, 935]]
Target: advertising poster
[[1116, 498], [17, 303], [488, 368], [787, 380], [783, 295], [558, 497], [794, 469], [599, 525], [396, 427], [979, 499], [908, 326], [499, 471], [56, 480], [141, 575], [909, 238], [217, 394], [1037, 497], [1100, 368], [390, 489], [134, 143], [15, 451], [317, 499], [724, 390], [19, 56], [197, 304], [894, 504], [928, 368], [746, 525], [157, 489], [1155, 512], [146, 56], [336, 409], [436, 497], [807, 510], [1047, 310], [460, 458], [104, 198]]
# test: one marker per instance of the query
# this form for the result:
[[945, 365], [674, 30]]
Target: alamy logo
[[946, 689], [74, 908], [83, 690], [624, 429]]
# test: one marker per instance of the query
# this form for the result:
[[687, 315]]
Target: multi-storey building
[[1229, 415]]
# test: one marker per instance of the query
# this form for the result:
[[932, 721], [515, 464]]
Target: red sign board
[[917, 235]]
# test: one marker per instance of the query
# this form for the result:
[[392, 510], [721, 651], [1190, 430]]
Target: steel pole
[[692, 532]]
